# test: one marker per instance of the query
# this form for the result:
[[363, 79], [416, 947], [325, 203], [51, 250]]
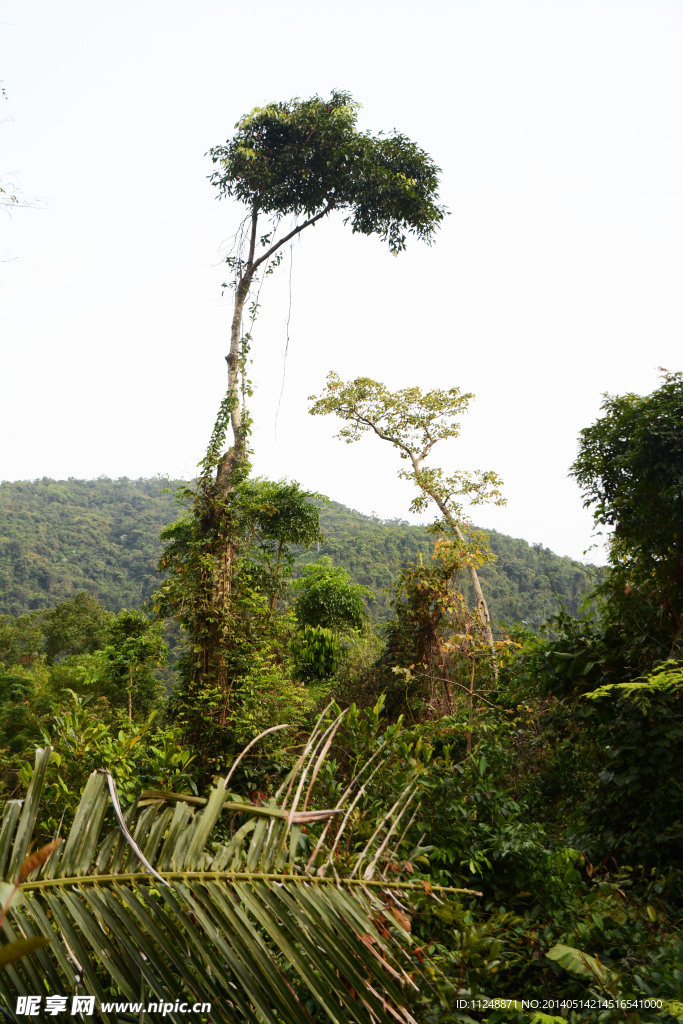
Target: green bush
[[317, 652]]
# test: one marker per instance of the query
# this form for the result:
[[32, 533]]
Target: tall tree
[[630, 466], [292, 164], [414, 423]]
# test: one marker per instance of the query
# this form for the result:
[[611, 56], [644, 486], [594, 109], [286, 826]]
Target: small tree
[[76, 626], [328, 605], [136, 647], [328, 598], [414, 423], [433, 640]]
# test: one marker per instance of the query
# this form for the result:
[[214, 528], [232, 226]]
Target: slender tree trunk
[[449, 693], [470, 710], [229, 461], [482, 607], [235, 455]]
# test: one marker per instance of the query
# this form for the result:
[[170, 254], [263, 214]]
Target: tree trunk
[[235, 455], [482, 608], [232, 458], [470, 714]]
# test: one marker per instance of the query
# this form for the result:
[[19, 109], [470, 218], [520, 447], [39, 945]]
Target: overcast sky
[[556, 277]]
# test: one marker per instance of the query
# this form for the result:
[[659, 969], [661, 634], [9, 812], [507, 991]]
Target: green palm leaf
[[148, 912]]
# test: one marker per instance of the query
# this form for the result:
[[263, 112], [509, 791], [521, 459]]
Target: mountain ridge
[[59, 537]]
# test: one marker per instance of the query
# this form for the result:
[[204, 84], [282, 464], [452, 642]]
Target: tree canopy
[[307, 158], [328, 598], [413, 421]]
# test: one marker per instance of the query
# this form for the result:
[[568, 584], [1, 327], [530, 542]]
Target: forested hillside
[[58, 538], [525, 582]]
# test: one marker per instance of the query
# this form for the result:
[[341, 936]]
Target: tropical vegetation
[[233, 785], [61, 538]]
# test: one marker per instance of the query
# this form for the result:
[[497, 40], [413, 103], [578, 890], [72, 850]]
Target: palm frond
[[151, 911]]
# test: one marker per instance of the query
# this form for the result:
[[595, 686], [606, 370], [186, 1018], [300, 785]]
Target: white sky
[[556, 278]]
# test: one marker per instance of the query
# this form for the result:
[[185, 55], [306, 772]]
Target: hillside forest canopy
[[266, 756]]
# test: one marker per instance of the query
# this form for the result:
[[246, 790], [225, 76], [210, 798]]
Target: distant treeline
[[59, 538]]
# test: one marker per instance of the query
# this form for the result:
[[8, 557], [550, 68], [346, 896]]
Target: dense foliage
[[630, 465], [61, 538], [305, 157], [545, 802], [325, 596]]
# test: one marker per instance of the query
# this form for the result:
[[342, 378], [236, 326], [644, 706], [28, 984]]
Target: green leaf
[[12, 951], [202, 926], [579, 963]]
